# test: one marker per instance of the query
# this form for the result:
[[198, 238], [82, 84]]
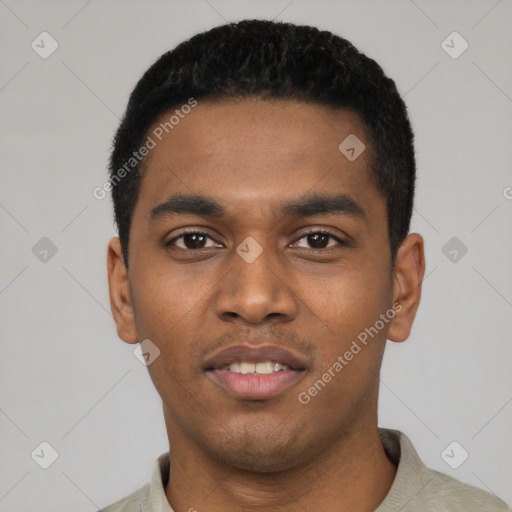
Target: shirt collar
[[412, 475]]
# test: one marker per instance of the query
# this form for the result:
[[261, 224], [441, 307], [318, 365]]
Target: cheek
[[165, 305], [346, 370], [348, 302]]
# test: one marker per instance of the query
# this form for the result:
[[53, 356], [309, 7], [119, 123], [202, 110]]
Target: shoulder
[[446, 494], [151, 496], [131, 503], [417, 488]]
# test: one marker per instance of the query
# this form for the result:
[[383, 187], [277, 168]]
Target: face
[[253, 230]]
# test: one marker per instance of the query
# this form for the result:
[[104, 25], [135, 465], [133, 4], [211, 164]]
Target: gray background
[[65, 376]]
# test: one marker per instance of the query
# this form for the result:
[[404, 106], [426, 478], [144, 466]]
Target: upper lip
[[254, 354]]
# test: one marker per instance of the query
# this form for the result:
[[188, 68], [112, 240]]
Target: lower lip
[[255, 387]]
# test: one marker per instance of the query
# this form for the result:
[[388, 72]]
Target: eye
[[320, 239], [196, 240], [192, 240]]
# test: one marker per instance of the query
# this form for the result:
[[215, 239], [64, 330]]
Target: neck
[[352, 473]]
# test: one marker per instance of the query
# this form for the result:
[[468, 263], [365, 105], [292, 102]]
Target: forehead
[[255, 152]]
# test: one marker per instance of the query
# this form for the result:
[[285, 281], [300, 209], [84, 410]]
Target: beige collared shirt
[[416, 488]]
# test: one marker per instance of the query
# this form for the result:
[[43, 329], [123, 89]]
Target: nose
[[255, 291]]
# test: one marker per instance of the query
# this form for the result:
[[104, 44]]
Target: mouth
[[255, 373]]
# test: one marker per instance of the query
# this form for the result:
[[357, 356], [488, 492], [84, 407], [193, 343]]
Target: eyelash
[[304, 235]]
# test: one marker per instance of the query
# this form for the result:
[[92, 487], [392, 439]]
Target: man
[[263, 180]]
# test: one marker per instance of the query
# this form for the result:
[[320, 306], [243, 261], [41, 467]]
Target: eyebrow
[[306, 206]]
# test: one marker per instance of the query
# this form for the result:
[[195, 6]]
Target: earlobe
[[119, 292], [408, 278]]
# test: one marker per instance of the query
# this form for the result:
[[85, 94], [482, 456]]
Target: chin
[[249, 451], [260, 461]]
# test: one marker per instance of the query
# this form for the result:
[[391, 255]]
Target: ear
[[119, 291], [408, 277]]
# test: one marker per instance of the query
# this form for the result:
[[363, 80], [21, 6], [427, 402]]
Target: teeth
[[235, 367], [264, 368], [247, 368], [261, 368]]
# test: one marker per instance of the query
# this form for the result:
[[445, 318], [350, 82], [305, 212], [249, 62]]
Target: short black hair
[[271, 60]]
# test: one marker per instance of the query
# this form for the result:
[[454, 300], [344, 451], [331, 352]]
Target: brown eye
[[192, 240], [319, 240]]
